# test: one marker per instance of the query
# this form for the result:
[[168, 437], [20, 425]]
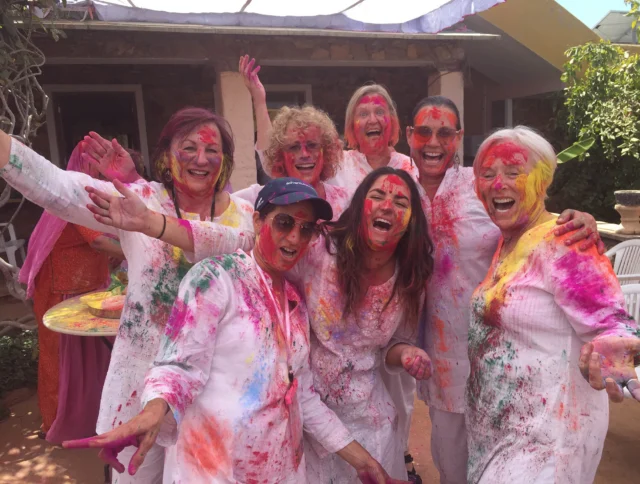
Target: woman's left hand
[[608, 362], [416, 362], [584, 228]]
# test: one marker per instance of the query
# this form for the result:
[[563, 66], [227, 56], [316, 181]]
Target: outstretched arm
[[247, 67], [111, 159], [131, 214], [40, 181]]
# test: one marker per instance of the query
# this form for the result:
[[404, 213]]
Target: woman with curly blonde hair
[[304, 144]]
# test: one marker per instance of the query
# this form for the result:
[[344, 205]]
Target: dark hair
[[438, 101], [180, 124], [413, 253], [266, 210]]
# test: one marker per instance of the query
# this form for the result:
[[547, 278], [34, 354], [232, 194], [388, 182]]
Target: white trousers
[[150, 472], [402, 389], [449, 446]]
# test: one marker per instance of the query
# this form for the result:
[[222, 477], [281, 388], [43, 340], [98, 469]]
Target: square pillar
[[233, 101], [450, 84]]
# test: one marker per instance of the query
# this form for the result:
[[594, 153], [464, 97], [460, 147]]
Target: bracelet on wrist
[[164, 226]]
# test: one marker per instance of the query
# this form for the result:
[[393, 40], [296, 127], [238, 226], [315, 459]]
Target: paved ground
[[26, 459]]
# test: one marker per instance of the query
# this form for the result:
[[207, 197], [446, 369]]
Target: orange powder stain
[[204, 447], [440, 331]]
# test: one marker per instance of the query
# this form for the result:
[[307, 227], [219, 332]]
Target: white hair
[[539, 149]]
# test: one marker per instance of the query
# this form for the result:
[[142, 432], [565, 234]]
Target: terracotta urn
[[628, 206]]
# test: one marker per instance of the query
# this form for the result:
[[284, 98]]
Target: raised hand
[[110, 159], [251, 79], [126, 213], [416, 362], [608, 362], [141, 431]]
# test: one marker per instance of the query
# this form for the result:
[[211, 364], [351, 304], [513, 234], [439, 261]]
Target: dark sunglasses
[[284, 223], [443, 134]]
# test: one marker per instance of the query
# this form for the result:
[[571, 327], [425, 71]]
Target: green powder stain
[[15, 162]]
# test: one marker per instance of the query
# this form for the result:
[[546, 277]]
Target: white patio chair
[[632, 301], [10, 244], [626, 263]]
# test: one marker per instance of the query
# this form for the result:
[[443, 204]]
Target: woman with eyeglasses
[[364, 288], [372, 129], [465, 239], [194, 160], [232, 373]]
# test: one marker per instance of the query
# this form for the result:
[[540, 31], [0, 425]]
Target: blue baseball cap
[[287, 191]]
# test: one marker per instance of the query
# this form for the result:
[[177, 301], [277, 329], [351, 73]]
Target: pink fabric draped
[[48, 230]]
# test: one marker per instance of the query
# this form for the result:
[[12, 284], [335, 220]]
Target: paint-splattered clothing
[[155, 268], [222, 367], [531, 417], [464, 240], [355, 167], [346, 356], [337, 197]]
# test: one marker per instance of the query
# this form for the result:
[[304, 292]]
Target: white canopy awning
[[407, 16]]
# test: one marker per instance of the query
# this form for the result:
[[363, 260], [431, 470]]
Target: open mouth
[[432, 157], [373, 133], [382, 224], [289, 254], [198, 173], [503, 204], [305, 167]]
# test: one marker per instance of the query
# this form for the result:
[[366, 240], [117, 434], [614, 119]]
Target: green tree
[[602, 101]]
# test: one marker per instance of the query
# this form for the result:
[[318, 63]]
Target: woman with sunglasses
[[194, 159], [372, 129], [232, 373], [363, 287], [465, 240]]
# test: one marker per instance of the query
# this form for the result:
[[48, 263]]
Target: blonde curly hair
[[303, 118]]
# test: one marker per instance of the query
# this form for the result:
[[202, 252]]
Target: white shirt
[[222, 366], [531, 416], [355, 167], [464, 240], [337, 197], [155, 268], [346, 355]]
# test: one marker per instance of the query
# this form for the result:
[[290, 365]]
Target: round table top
[[72, 316]]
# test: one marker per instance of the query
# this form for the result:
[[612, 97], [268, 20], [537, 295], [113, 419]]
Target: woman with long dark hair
[[194, 160]]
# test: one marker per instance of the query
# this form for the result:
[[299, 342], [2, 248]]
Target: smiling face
[[196, 160], [434, 140], [279, 246], [372, 124], [511, 185], [387, 212], [302, 154]]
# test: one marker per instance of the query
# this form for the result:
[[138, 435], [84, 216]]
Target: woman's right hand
[[141, 431], [126, 213], [251, 79], [110, 158]]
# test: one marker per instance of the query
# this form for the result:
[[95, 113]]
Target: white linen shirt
[[464, 240], [222, 367], [155, 268], [355, 167], [531, 416]]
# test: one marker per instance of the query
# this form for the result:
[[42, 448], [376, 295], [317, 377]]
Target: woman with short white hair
[[531, 416]]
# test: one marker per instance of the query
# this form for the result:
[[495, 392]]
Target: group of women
[[290, 350]]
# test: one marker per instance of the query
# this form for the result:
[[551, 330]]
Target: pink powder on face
[[509, 152], [373, 99], [207, 135]]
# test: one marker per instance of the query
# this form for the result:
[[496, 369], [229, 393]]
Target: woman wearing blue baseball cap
[[233, 370], [364, 289]]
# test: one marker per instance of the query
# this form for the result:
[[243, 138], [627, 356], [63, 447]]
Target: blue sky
[[592, 11]]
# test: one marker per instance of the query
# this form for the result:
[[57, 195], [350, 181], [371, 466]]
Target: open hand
[[127, 213], [608, 362], [109, 157], [416, 362], [251, 79], [584, 228], [141, 431], [374, 473]]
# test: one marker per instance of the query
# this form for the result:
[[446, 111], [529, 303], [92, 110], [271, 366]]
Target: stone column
[[450, 84], [233, 101]]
